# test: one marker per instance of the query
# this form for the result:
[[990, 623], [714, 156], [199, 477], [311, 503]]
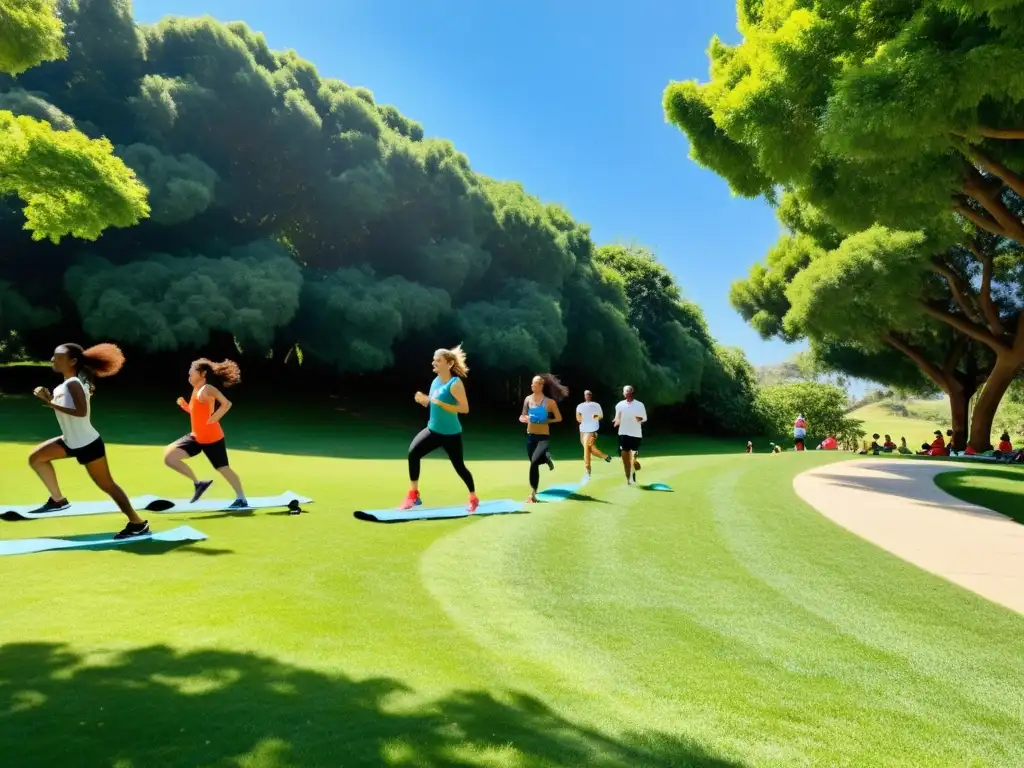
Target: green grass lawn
[[999, 489], [723, 624], [878, 417]]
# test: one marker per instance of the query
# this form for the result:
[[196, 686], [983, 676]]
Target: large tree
[[69, 184]]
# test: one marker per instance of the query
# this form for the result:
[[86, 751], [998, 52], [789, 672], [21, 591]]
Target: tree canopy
[[293, 211]]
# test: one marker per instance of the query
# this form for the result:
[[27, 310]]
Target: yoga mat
[[27, 546], [561, 492], [501, 507], [657, 487], [288, 499]]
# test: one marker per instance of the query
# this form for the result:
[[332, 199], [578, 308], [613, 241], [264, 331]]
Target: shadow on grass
[[311, 429], [155, 706], [1001, 490]]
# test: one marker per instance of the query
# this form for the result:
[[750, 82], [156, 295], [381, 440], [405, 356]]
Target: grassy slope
[[724, 624], [999, 489], [918, 428]]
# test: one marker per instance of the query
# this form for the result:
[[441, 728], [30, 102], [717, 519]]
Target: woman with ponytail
[[206, 407], [447, 399], [540, 410], [71, 402]]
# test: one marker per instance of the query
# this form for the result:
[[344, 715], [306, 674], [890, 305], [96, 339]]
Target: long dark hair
[[553, 388], [222, 375], [99, 361]]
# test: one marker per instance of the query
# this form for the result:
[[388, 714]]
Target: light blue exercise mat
[[561, 492], [27, 546], [500, 507], [657, 487], [287, 500]]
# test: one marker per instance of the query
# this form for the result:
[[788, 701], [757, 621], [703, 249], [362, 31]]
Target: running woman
[[540, 411], [447, 399], [72, 405], [589, 415], [630, 415], [206, 407]]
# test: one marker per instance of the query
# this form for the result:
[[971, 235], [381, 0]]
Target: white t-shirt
[[77, 431], [591, 413], [626, 413]]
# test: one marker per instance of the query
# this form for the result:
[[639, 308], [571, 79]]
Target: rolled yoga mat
[[288, 499], [28, 546]]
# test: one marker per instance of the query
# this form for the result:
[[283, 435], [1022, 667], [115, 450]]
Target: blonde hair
[[456, 357]]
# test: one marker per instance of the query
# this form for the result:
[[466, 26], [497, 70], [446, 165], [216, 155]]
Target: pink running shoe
[[474, 502], [412, 499]]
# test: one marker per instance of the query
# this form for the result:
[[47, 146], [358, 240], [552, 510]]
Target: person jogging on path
[[630, 415]]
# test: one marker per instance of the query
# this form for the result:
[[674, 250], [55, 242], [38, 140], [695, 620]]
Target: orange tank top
[[200, 413]]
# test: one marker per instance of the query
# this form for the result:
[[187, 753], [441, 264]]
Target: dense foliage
[[823, 405], [891, 137], [292, 217]]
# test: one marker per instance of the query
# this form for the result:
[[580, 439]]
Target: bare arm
[[183, 404], [458, 391], [556, 415], [77, 391], [210, 394], [579, 416]]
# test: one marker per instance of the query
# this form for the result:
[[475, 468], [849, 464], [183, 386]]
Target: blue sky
[[562, 96]]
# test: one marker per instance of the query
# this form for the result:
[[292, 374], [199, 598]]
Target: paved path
[[896, 505]]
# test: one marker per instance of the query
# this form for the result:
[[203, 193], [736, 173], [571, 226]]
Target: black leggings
[[426, 442], [537, 451]]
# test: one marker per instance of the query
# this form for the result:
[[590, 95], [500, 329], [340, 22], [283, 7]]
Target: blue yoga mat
[[27, 546], [561, 492], [657, 487], [501, 507]]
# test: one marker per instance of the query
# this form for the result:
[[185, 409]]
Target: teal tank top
[[538, 414], [441, 421]]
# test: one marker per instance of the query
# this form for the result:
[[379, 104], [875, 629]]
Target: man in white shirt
[[630, 414], [589, 415]]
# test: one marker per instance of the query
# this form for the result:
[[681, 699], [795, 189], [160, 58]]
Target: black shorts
[[87, 454], [629, 443], [216, 453]]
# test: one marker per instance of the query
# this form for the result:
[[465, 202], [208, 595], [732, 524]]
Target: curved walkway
[[897, 505]]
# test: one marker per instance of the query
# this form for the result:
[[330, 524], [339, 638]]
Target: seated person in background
[[1005, 446], [888, 446], [903, 447], [776, 448], [829, 444], [938, 446], [969, 450], [875, 448], [949, 443]]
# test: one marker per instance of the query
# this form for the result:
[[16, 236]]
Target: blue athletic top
[[441, 421], [538, 414]]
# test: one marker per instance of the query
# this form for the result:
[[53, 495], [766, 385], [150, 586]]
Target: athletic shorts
[[216, 453], [629, 443], [588, 438], [87, 454]]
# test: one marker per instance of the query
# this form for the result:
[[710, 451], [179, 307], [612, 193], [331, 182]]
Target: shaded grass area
[[723, 624], [1001, 490]]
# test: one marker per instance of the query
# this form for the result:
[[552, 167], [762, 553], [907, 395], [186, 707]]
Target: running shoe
[[607, 459], [133, 530], [239, 504], [636, 464], [474, 502], [201, 488], [52, 506], [412, 499]]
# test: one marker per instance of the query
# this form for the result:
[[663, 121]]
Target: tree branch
[[959, 288], [929, 368], [956, 352], [988, 163], [1001, 133], [988, 307], [980, 221], [976, 332]]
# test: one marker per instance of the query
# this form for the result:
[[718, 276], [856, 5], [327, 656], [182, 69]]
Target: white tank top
[[77, 431]]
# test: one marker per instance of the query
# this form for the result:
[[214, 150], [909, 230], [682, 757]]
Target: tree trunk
[[988, 402], [959, 405]]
